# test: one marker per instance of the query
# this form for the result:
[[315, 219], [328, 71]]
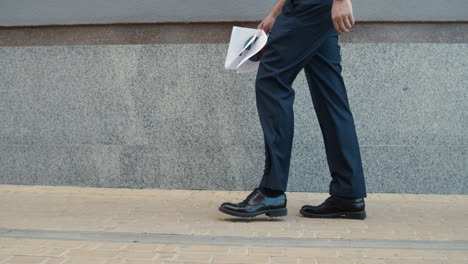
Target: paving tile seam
[[157, 238]]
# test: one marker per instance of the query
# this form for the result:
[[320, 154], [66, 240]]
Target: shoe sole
[[272, 212], [350, 215]]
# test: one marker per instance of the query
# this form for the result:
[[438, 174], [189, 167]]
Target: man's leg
[[328, 91], [296, 35]]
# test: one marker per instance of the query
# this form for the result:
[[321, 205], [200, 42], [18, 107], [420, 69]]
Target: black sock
[[270, 192]]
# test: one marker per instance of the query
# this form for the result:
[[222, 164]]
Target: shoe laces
[[252, 195], [328, 200]]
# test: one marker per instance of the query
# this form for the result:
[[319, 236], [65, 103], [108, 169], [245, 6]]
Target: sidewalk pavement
[[55, 224]]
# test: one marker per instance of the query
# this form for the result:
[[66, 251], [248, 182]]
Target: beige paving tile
[[139, 261], [311, 252], [238, 250], [67, 244], [212, 249], [328, 235], [335, 260], [96, 253], [404, 253], [166, 256], [270, 251], [88, 245], [350, 252], [240, 259], [191, 257], [4, 257], [54, 252], [9, 250], [142, 247], [55, 260], [113, 246], [457, 261], [84, 260], [30, 250], [369, 261], [365, 236], [417, 261], [168, 248], [451, 254], [308, 260], [285, 260], [136, 254], [27, 260], [6, 241], [34, 243]]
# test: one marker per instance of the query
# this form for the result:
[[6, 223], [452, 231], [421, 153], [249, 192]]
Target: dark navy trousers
[[303, 37]]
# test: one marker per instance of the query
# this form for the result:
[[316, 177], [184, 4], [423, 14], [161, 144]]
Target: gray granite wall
[[152, 116], [72, 12]]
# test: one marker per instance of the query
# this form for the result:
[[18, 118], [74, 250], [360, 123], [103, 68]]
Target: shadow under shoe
[[255, 204], [336, 207]]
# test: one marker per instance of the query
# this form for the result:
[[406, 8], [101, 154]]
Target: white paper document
[[245, 49]]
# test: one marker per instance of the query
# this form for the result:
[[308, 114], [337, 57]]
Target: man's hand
[[342, 15], [267, 23]]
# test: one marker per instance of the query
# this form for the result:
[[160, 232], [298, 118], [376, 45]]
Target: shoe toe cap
[[308, 208]]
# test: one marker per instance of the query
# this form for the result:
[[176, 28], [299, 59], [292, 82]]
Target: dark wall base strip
[[180, 33]]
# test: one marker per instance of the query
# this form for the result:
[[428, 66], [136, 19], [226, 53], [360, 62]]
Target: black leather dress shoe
[[255, 204], [336, 207]]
